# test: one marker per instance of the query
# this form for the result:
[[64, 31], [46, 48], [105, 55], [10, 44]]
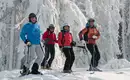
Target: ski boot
[[25, 71], [67, 71], [43, 67], [35, 68], [96, 69], [48, 67]]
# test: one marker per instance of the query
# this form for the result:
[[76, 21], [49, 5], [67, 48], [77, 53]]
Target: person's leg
[[39, 54], [68, 58], [43, 64], [29, 57], [72, 57], [91, 50], [52, 52], [97, 55], [22, 62], [37, 62]]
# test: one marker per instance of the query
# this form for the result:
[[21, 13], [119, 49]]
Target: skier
[[49, 39], [66, 44], [91, 34], [30, 34]]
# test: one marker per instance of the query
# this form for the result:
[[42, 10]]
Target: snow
[[80, 74], [117, 64]]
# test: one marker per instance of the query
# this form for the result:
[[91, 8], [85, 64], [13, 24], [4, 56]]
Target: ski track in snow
[[78, 74]]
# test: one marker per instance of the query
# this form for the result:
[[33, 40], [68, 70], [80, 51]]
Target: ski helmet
[[66, 25], [51, 26], [91, 20], [31, 15]]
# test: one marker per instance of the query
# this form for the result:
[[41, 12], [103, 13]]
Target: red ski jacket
[[51, 37], [65, 39]]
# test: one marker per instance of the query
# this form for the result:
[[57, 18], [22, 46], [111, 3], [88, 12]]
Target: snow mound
[[117, 64]]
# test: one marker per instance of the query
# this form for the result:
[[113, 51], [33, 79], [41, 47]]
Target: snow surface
[[80, 74], [117, 64]]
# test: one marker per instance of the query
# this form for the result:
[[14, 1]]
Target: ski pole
[[42, 49], [28, 56], [80, 47]]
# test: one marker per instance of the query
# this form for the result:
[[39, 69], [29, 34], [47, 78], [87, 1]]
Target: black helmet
[[91, 20], [51, 26], [31, 15]]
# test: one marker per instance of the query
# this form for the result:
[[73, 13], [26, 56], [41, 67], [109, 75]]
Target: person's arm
[[98, 34], [23, 34], [73, 43], [55, 38], [44, 36], [60, 39], [82, 32]]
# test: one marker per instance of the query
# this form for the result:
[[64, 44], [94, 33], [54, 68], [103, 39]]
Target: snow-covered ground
[[80, 74]]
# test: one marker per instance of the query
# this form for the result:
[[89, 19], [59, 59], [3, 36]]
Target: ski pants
[[49, 50], [93, 49], [70, 57], [33, 55]]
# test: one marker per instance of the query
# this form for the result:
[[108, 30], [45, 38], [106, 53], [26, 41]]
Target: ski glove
[[46, 41], [61, 48], [27, 43], [94, 37], [73, 43]]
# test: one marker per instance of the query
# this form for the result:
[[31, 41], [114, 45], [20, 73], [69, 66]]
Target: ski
[[29, 74]]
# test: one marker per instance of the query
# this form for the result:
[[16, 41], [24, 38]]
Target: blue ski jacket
[[31, 32]]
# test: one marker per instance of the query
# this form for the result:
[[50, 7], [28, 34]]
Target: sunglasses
[[52, 28], [91, 21]]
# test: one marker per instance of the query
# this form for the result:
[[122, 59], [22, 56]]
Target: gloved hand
[[94, 37], [46, 41], [73, 43], [28, 43], [61, 48], [81, 39]]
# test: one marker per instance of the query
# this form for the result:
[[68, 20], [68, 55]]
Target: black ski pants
[[70, 57], [93, 49], [49, 50]]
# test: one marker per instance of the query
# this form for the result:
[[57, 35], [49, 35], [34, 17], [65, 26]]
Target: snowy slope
[[80, 74]]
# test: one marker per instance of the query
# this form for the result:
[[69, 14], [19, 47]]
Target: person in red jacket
[[49, 39], [66, 43], [92, 35]]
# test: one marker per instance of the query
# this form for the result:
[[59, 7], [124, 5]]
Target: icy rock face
[[126, 29], [73, 12]]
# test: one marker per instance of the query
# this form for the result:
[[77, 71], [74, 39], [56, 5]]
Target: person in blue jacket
[[30, 34]]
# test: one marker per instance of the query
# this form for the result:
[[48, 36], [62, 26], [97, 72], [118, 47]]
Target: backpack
[[85, 36]]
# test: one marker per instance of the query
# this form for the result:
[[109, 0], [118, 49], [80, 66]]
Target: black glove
[[46, 41], [73, 43], [81, 39], [26, 41], [60, 46]]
